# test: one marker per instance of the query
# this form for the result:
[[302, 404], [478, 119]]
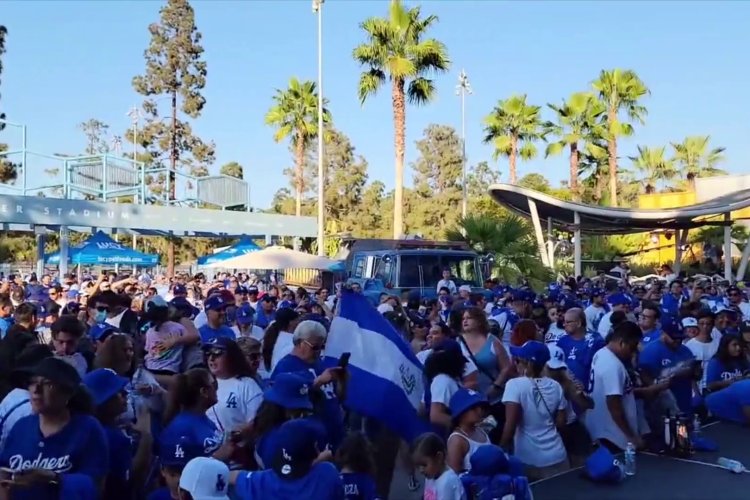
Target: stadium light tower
[[317, 7], [463, 89]]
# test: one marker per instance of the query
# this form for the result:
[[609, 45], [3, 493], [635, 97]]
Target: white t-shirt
[[283, 346], [703, 352], [446, 487], [610, 378], [237, 403], [537, 441], [200, 319], [594, 314], [14, 406], [442, 389], [605, 324], [468, 369], [449, 284]]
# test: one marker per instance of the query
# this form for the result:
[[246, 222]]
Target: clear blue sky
[[68, 61]]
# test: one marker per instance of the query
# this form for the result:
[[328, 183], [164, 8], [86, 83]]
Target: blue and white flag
[[385, 376]]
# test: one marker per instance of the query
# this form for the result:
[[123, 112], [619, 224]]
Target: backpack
[[497, 487]]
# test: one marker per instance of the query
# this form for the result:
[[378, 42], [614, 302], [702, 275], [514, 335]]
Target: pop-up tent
[[101, 249], [277, 258], [245, 245]]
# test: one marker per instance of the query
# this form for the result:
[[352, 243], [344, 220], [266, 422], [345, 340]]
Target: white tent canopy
[[276, 258]]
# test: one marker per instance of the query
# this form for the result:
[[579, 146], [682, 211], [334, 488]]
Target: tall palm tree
[[620, 90], [512, 127], [653, 166], [295, 115], [695, 159], [397, 50], [578, 126]]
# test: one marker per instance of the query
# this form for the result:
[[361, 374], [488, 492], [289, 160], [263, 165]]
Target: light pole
[[463, 89], [317, 7]]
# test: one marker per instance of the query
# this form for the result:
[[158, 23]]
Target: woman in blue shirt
[[60, 442], [728, 365], [192, 394]]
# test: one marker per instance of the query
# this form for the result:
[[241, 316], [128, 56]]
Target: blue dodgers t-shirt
[[160, 494], [658, 361], [717, 371], [330, 411], [650, 336], [358, 486], [267, 444], [262, 318], [198, 429], [322, 482], [208, 334], [120, 464], [727, 404], [580, 353], [80, 447]]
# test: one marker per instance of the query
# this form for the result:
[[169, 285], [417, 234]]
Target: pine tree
[[96, 136], [175, 69]]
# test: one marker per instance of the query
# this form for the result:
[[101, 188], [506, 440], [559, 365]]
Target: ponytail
[[81, 401], [269, 342]]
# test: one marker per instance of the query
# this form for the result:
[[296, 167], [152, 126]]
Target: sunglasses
[[102, 308], [215, 353], [314, 347]]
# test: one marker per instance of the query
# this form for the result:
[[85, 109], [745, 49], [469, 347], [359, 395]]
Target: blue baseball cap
[[285, 304], [183, 304], [533, 351], [179, 290], [447, 345], [71, 308], [291, 391], [215, 303], [100, 331], [673, 329], [602, 466], [218, 343], [104, 383], [489, 460], [618, 299], [245, 314], [464, 400], [296, 449], [178, 452], [252, 290]]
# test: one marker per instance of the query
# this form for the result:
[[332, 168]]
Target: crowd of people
[[122, 387]]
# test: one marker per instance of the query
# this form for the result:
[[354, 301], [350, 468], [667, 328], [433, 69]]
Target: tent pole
[[577, 244], [728, 247]]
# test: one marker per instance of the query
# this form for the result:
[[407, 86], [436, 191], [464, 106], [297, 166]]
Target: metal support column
[[550, 244], [40, 240], [538, 232], [64, 244], [269, 240], [728, 247], [743, 262], [577, 245]]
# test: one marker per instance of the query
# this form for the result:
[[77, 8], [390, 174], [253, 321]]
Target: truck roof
[[411, 244]]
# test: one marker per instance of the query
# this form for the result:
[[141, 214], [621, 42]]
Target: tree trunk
[[599, 185], [299, 161], [512, 158], [650, 189], [399, 126], [612, 149], [691, 181], [172, 181], [574, 171]]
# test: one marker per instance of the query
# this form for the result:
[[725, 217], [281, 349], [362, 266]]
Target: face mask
[[100, 316]]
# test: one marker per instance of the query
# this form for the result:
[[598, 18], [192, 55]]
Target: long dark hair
[[186, 391], [355, 452], [80, 401], [238, 365], [722, 353], [269, 416], [281, 323], [450, 362]]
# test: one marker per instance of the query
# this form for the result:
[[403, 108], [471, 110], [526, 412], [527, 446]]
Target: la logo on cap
[[303, 390], [179, 452]]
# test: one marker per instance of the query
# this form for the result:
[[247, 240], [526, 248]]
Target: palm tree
[[620, 90], [578, 126], [295, 116], [654, 167], [510, 240], [695, 159], [512, 127], [397, 50]]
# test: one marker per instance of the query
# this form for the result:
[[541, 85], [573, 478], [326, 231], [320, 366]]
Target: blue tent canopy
[[101, 249], [245, 245]]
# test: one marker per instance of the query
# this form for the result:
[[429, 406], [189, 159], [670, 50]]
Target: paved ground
[[662, 478]]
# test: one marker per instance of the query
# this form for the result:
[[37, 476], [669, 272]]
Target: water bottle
[[696, 426], [630, 460], [731, 465]]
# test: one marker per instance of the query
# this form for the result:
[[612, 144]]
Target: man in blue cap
[[215, 326], [617, 302], [596, 310]]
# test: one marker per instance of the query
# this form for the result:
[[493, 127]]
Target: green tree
[[436, 198], [375, 212], [96, 136], [8, 170], [174, 69], [510, 240], [512, 127], [577, 126], [232, 169], [621, 92], [654, 167], [397, 49], [478, 179], [295, 116], [537, 182], [695, 159]]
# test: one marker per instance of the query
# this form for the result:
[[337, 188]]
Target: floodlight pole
[[317, 6], [462, 89]]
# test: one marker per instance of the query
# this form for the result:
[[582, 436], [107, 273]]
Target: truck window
[[358, 269], [383, 270], [463, 269]]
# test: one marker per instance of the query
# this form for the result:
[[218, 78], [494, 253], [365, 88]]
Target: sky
[[68, 61]]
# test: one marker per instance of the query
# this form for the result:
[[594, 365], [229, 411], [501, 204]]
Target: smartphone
[[344, 360]]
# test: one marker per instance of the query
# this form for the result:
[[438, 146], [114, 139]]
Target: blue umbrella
[[101, 249], [245, 245]]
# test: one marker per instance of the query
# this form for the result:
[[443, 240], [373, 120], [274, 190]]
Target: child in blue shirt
[[354, 459]]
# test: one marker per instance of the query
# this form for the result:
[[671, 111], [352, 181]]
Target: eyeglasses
[[314, 347]]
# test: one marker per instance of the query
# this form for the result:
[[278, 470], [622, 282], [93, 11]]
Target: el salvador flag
[[385, 377]]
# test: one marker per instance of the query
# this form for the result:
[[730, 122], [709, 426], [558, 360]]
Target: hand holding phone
[[344, 360]]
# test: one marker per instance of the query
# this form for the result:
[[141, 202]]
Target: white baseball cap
[[384, 308], [464, 288], [556, 357], [205, 479], [689, 322]]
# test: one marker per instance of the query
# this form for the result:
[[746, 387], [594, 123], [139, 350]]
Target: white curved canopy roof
[[609, 220]]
